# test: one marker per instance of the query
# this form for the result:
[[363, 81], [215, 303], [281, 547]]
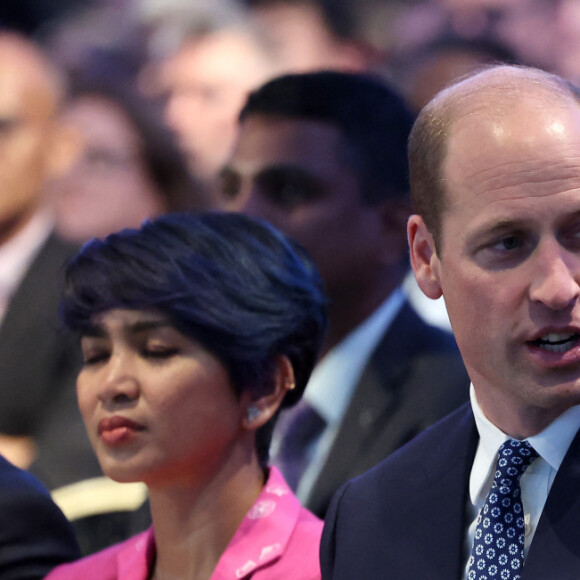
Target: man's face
[[509, 266], [207, 82], [294, 174], [26, 109]]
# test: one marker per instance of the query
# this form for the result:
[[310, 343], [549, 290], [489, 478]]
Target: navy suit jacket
[[414, 377], [34, 535], [406, 518]]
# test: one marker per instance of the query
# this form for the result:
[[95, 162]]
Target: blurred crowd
[[138, 115]]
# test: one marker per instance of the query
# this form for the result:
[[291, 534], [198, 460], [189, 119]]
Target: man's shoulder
[[420, 454]]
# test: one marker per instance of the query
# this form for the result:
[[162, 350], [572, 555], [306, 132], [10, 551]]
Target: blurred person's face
[[27, 137], [302, 40], [158, 407], [293, 174], [207, 82], [108, 187]]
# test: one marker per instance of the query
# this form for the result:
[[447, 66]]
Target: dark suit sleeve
[[328, 543], [34, 534]]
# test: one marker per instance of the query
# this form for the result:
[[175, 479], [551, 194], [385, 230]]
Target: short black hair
[[235, 284], [371, 115]]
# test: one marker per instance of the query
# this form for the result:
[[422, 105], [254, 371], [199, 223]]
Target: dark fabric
[[406, 518], [414, 378], [34, 535], [299, 427], [38, 368]]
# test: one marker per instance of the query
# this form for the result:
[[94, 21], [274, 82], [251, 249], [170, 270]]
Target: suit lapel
[[367, 413], [442, 490], [555, 550]]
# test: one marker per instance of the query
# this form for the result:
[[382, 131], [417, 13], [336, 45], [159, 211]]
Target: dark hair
[[163, 160], [370, 114], [235, 284]]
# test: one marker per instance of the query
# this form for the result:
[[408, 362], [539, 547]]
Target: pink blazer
[[277, 539]]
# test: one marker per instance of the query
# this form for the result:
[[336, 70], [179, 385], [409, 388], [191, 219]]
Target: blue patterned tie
[[498, 545]]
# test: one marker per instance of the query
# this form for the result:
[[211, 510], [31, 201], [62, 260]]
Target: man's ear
[[424, 259], [258, 411]]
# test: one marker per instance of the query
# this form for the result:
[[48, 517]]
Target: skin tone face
[[293, 173], [207, 82], [107, 188], [28, 133], [509, 266], [302, 40], [158, 406]]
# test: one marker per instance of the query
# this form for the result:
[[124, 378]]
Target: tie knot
[[514, 457]]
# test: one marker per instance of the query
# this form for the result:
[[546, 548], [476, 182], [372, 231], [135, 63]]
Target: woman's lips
[[117, 429]]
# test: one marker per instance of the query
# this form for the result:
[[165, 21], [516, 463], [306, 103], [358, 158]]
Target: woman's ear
[[424, 258], [258, 411]]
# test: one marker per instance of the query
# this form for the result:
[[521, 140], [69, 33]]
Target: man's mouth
[[557, 341]]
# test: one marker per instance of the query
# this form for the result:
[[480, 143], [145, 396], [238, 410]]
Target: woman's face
[[108, 187], [158, 407]]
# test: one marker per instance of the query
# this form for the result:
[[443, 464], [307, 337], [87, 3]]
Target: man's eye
[[508, 243], [289, 193]]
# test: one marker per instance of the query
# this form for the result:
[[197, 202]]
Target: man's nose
[[555, 278]]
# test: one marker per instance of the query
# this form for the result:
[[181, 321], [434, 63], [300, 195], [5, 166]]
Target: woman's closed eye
[[95, 356], [159, 351]]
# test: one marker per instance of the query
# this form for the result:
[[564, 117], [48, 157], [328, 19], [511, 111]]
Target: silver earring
[[253, 412]]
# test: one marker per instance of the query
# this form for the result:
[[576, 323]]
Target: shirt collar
[[551, 444], [334, 378], [18, 252]]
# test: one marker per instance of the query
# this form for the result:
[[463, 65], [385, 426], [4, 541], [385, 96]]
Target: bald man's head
[[31, 89], [491, 93]]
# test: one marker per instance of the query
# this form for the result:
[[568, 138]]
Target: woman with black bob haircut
[[196, 330]]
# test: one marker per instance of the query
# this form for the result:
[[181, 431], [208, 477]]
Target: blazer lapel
[[366, 416], [555, 550]]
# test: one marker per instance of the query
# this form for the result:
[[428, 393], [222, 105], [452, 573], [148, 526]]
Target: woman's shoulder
[[128, 560]]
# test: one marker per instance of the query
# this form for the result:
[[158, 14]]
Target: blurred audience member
[[37, 364], [34, 535], [310, 35], [422, 73], [323, 157], [206, 57], [101, 36], [128, 167]]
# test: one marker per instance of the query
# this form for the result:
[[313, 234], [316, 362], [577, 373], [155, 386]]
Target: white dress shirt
[[17, 254], [334, 380], [551, 444]]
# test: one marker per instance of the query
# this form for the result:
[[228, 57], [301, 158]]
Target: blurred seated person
[[422, 73], [323, 157], [183, 379], [205, 59], [309, 35], [34, 535], [38, 365], [128, 166]]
